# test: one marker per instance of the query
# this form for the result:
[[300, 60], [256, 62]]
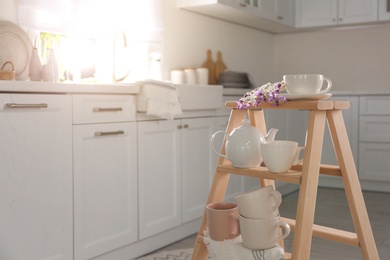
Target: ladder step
[[326, 169], [262, 172], [328, 233]]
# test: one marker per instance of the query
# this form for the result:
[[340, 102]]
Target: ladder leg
[[218, 187], [352, 185], [308, 189], [257, 119]]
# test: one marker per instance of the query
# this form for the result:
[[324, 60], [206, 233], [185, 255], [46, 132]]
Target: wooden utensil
[[210, 65], [220, 66]]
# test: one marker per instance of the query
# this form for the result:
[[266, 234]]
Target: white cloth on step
[[162, 99], [233, 249]]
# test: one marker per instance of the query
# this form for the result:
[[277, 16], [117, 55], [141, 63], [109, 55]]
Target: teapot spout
[[271, 134]]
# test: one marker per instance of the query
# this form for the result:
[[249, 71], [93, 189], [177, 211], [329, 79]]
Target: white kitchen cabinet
[[36, 177], [269, 15], [312, 13], [384, 10], [374, 139], [196, 165], [159, 178], [174, 168], [105, 174], [285, 12]]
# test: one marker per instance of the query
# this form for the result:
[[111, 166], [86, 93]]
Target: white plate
[[15, 46], [306, 97]]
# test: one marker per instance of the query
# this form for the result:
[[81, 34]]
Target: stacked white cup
[[197, 76], [259, 218]]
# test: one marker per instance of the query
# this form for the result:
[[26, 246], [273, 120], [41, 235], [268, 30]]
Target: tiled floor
[[332, 211]]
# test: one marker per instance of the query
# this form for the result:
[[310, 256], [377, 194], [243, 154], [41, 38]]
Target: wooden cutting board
[[210, 65], [220, 66]]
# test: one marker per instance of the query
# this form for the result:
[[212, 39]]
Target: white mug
[[177, 76], [190, 75], [222, 220], [262, 233], [202, 75], [306, 84], [260, 203], [280, 155]]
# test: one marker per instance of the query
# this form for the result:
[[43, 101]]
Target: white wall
[[355, 59], [8, 10], [188, 35]]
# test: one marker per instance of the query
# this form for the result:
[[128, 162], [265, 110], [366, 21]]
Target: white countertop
[[130, 89], [50, 87], [242, 91]]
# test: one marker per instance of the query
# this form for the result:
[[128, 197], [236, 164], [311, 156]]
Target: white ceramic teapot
[[243, 145]]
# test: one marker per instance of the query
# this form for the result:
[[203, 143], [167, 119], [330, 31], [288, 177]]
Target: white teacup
[[262, 233], [260, 203], [280, 155], [306, 84]]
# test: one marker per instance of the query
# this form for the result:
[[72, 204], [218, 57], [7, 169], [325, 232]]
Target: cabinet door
[[384, 10], [357, 11], [316, 13], [105, 187], [285, 12], [159, 172], [36, 177], [197, 165], [374, 163]]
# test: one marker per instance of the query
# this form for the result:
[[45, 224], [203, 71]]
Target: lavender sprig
[[266, 93]]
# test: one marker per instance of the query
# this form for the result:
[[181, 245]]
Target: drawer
[[375, 105], [103, 108], [374, 128], [374, 163]]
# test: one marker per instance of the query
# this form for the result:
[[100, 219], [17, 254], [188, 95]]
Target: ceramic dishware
[[306, 84], [190, 76], [260, 203], [177, 77], [243, 145], [202, 76], [280, 155], [222, 220], [262, 233]]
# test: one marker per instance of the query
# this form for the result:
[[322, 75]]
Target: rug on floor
[[178, 254]]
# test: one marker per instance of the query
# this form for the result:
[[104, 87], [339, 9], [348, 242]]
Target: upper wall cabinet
[[384, 10], [268, 15], [312, 13]]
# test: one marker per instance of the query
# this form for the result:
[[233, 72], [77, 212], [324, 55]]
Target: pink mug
[[222, 220]]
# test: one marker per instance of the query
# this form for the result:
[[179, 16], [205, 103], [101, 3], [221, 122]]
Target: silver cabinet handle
[[107, 109], [120, 132], [185, 126], [15, 105], [179, 127]]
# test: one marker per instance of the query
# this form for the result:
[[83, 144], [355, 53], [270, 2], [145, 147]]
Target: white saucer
[[305, 97]]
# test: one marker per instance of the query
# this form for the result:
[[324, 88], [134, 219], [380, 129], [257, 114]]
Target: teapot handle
[[212, 142]]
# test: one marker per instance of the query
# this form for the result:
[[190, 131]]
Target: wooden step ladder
[[306, 175]]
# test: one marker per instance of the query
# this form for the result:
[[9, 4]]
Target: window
[[98, 22]]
